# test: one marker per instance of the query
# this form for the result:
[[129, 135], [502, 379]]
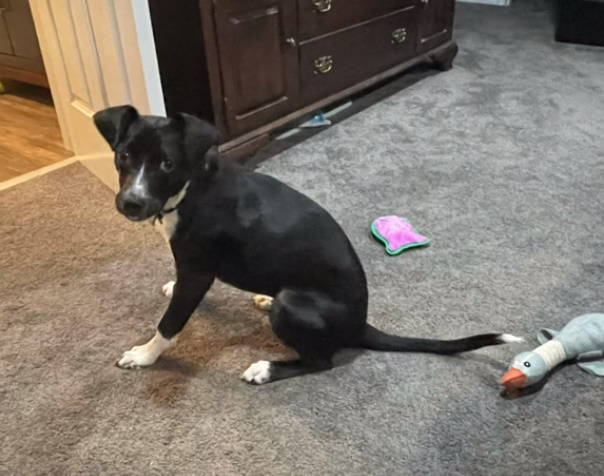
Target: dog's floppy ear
[[200, 140], [113, 123]]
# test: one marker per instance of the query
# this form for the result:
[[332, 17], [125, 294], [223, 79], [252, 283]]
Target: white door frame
[[115, 50]]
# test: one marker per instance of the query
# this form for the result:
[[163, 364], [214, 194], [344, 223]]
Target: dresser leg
[[443, 60]]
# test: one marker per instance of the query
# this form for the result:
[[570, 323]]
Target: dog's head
[[155, 156]]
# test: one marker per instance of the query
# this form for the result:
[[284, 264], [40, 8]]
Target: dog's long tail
[[374, 339]]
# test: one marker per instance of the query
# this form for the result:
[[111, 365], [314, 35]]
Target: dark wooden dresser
[[252, 66], [20, 56]]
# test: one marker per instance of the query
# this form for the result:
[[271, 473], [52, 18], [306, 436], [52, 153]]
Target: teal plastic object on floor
[[397, 234]]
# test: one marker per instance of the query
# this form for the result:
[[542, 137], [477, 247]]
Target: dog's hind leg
[[304, 321], [262, 302], [265, 371]]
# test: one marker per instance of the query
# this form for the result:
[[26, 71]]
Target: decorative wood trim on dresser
[[252, 66]]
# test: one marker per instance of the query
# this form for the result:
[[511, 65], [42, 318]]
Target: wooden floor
[[30, 137]]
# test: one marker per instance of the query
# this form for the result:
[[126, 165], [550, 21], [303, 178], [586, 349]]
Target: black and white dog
[[253, 232]]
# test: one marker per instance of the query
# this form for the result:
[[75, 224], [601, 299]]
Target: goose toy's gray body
[[581, 339]]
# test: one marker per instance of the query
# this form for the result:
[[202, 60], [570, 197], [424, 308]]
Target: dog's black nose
[[133, 207]]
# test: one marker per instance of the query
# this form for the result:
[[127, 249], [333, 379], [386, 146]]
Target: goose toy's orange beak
[[514, 378]]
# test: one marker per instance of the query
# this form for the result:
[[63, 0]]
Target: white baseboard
[[36, 173], [100, 165], [500, 3]]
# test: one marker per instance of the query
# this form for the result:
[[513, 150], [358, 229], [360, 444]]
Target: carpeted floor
[[500, 162]]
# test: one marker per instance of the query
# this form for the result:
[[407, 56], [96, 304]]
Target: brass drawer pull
[[322, 6], [399, 35], [324, 64]]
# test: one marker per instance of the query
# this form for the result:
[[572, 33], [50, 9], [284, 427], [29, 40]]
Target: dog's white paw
[[258, 373], [144, 355], [136, 357], [168, 289], [265, 303]]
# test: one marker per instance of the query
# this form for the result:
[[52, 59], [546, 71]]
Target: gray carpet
[[499, 161]]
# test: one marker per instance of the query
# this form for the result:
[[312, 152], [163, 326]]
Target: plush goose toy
[[581, 339]]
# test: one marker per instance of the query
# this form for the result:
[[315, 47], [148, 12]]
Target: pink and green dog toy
[[397, 234]]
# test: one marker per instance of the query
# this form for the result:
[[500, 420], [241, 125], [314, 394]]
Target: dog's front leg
[[189, 290]]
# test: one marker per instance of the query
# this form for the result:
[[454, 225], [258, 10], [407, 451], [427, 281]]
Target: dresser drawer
[[337, 61], [319, 17]]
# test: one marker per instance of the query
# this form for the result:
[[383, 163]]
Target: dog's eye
[[167, 165], [123, 156]]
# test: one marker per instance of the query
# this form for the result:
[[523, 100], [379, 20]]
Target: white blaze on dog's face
[[155, 156]]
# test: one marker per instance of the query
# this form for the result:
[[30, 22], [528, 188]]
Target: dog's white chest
[[166, 226]]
